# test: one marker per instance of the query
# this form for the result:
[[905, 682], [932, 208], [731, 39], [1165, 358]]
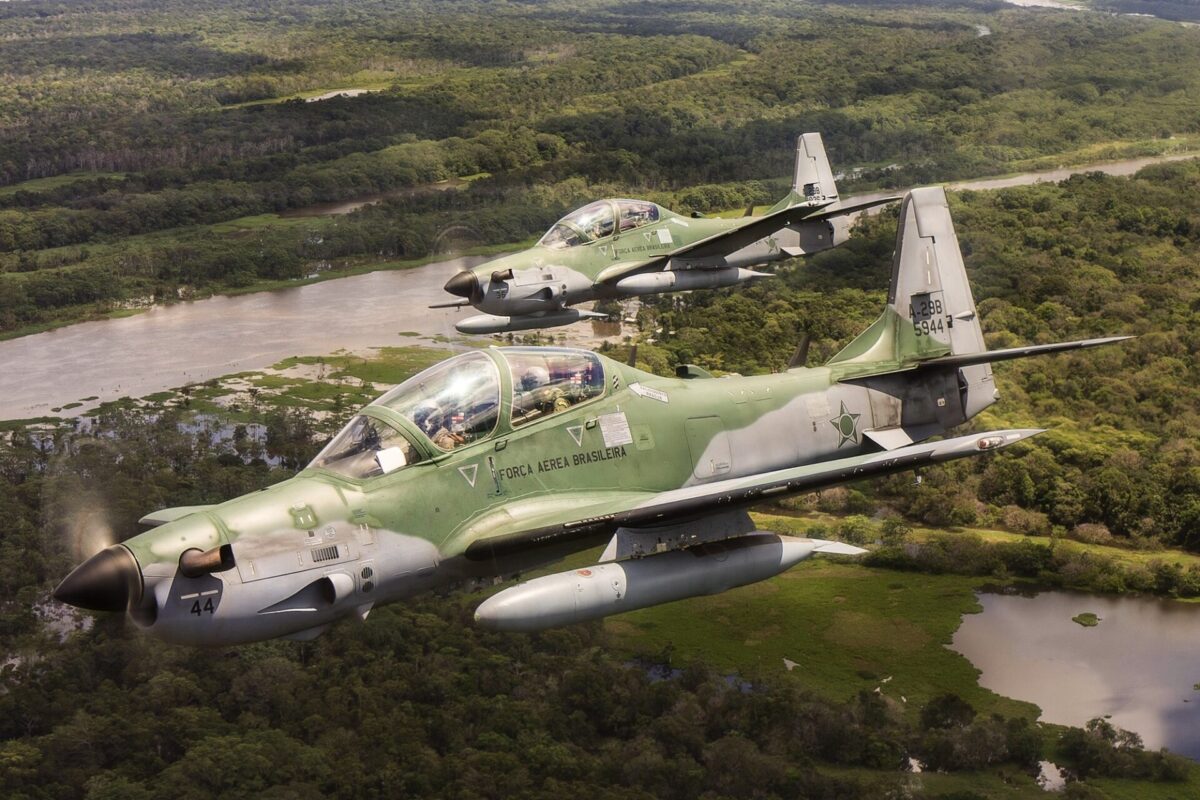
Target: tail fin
[[813, 182], [930, 321], [930, 311]]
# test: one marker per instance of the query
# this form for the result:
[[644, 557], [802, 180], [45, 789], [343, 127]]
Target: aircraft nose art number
[[202, 603]]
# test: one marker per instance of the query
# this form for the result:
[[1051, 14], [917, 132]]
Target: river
[[1126, 166], [169, 346], [1139, 665], [341, 207]]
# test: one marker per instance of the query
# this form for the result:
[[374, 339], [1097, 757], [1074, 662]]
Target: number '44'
[[207, 608]]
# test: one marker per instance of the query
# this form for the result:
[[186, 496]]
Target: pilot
[[540, 395], [432, 422]]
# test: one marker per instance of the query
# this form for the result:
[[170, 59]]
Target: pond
[[1139, 665]]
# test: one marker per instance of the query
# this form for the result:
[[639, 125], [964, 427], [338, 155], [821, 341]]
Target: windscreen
[[365, 448], [453, 403]]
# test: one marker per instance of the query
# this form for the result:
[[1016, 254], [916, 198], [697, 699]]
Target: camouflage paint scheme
[[651, 463], [652, 252]]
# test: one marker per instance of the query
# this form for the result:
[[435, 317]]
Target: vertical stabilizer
[[813, 180], [929, 282], [930, 315], [930, 311]]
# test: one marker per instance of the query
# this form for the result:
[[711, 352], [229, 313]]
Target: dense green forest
[[147, 148], [1092, 256], [144, 144], [1119, 465]]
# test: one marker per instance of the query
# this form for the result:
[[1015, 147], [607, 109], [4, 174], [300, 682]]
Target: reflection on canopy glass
[[549, 381], [636, 213], [453, 403], [367, 447], [593, 221]]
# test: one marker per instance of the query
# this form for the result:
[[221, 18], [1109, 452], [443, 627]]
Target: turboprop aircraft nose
[[108, 581], [464, 284]]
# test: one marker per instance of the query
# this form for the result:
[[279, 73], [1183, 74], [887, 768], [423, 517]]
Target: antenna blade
[[800, 355]]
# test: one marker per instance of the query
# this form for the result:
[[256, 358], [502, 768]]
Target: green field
[[847, 628], [55, 182]]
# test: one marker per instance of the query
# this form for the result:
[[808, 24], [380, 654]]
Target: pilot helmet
[[428, 417], [534, 377]]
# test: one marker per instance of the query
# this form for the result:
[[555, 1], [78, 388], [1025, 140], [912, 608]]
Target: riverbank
[[347, 268], [1046, 561], [1105, 157]]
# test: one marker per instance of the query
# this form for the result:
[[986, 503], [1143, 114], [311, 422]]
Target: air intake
[[328, 553]]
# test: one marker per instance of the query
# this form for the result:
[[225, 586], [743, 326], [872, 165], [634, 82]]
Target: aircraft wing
[[755, 228], [759, 227], [514, 529], [719, 244]]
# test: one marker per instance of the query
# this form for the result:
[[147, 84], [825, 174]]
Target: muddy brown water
[[169, 346], [1139, 665]]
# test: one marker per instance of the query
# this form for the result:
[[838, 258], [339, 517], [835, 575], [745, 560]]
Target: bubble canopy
[[457, 402], [599, 220], [453, 403]]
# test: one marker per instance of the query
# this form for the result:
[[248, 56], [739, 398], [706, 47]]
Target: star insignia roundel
[[847, 426]]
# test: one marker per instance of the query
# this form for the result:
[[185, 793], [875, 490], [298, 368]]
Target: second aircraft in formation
[[623, 248]]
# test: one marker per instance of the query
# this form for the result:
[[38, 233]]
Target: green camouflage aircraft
[[624, 248], [497, 461]]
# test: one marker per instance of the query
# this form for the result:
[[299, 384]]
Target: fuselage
[[324, 545]]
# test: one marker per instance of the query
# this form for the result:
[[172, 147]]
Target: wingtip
[[987, 440]]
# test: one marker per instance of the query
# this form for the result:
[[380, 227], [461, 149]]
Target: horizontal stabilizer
[[850, 206], [988, 356]]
